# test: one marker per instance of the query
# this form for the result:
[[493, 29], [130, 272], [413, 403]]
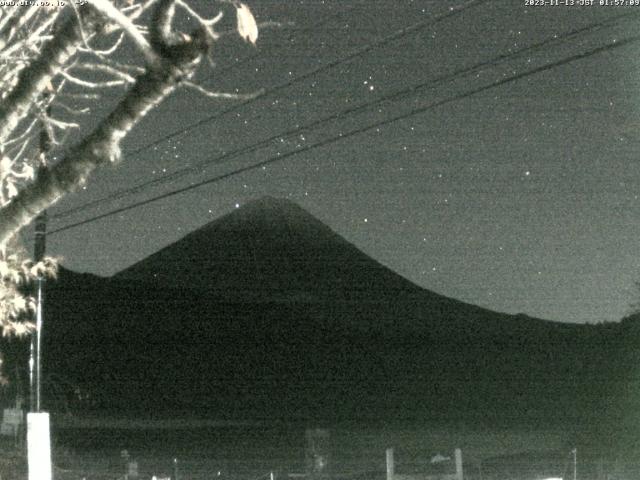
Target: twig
[[232, 96]]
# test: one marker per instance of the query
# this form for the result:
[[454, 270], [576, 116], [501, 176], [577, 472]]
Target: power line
[[253, 56], [356, 53], [336, 116], [416, 111], [271, 160]]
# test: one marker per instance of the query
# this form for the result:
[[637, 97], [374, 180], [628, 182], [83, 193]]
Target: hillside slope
[[268, 313]]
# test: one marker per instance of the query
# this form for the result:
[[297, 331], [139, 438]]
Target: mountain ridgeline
[[266, 313]]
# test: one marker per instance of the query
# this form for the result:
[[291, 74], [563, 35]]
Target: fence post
[[175, 470], [317, 454], [390, 464], [459, 473]]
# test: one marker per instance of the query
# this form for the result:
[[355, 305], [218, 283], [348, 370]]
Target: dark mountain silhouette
[[270, 250], [267, 313], [273, 251]]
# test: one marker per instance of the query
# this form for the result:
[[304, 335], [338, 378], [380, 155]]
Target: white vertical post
[[459, 473], [175, 469], [38, 349], [390, 464], [38, 446]]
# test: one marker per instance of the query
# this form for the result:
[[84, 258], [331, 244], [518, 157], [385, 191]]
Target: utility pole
[[35, 379], [36, 339], [38, 428]]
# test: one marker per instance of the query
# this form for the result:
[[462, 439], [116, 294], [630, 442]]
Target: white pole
[[390, 464], [458, 454], [38, 350], [38, 446]]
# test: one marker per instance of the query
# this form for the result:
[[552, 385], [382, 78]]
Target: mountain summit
[[269, 249]]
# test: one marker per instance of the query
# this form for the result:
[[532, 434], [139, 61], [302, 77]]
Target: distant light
[[527, 173], [237, 205], [366, 220]]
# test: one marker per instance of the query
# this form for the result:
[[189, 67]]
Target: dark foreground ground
[[205, 450]]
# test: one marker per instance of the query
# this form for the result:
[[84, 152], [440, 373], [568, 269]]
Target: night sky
[[520, 198]]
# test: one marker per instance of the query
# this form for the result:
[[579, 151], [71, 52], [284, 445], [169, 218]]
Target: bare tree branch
[[102, 145], [44, 62], [106, 7], [35, 78], [92, 85], [33, 37], [230, 96]]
